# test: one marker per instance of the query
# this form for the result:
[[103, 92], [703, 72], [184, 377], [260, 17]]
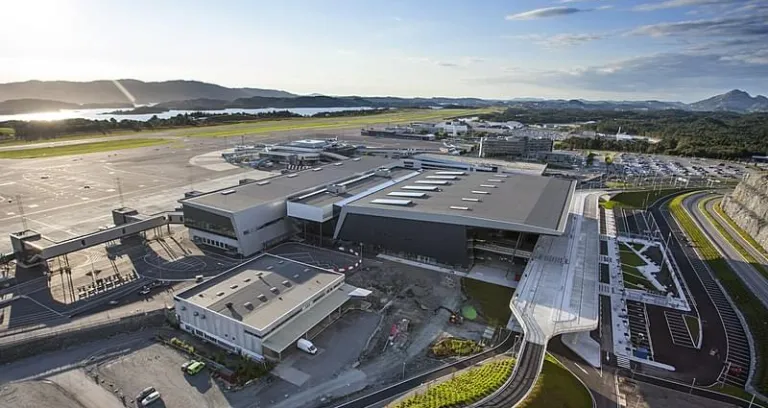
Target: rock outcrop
[[748, 206]]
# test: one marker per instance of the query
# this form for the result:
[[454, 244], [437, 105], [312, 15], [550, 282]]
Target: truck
[[306, 346]]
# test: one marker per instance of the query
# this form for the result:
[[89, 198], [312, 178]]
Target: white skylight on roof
[[442, 177], [388, 201], [450, 173], [488, 185], [292, 175], [496, 180], [412, 194], [228, 192], [263, 183], [459, 207], [470, 199], [420, 188], [435, 182], [479, 192]]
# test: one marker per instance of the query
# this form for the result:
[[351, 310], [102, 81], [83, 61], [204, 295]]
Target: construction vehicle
[[455, 318]]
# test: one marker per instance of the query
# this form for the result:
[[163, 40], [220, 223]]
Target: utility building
[[261, 308]]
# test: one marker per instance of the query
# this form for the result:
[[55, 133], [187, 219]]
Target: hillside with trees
[[725, 135]]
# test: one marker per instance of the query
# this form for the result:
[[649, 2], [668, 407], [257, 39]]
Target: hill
[[33, 105], [734, 101], [107, 92]]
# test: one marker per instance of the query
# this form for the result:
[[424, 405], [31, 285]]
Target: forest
[[722, 135]]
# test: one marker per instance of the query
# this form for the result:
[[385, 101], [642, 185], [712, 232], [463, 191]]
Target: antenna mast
[[21, 212]]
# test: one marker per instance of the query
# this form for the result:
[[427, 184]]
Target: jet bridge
[[31, 248]]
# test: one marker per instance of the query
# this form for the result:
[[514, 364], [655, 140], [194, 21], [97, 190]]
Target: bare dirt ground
[[36, 394], [641, 395], [159, 366]]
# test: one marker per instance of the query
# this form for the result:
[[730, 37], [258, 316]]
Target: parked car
[[145, 291], [306, 346], [145, 392], [195, 367], [187, 364], [154, 396]]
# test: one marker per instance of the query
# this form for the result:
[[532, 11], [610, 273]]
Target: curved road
[[756, 253], [746, 272]]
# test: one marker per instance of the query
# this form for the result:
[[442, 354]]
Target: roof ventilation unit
[[246, 280], [420, 188], [409, 194], [356, 159], [496, 180], [502, 175], [387, 201], [274, 290], [337, 189], [441, 177], [248, 305], [434, 182], [220, 294], [479, 192], [292, 175], [233, 287], [450, 173], [384, 172], [263, 183], [474, 200], [262, 297], [488, 185], [287, 283], [228, 192], [338, 164], [459, 207], [317, 169]]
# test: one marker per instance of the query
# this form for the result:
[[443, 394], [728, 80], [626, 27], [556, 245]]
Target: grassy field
[[82, 148], [731, 240], [629, 257], [493, 300], [7, 131], [738, 393], [321, 124], [462, 389], [737, 228], [693, 326], [753, 310], [557, 387], [265, 126], [636, 199]]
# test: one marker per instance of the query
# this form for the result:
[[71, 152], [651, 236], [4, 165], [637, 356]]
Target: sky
[[679, 50]]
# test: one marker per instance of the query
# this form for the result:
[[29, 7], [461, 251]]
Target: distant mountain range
[[39, 96]]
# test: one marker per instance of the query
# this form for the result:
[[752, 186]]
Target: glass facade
[[207, 221]]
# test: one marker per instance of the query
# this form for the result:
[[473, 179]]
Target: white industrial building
[[261, 308]]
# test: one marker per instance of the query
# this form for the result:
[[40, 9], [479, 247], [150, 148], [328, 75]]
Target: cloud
[[447, 64], [662, 74], [679, 3], [558, 40], [546, 12], [755, 24]]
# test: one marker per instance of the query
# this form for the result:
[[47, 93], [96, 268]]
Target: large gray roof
[[249, 289], [245, 196], [517, 202]]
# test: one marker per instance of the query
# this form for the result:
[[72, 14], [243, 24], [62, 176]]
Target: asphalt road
[[721, 328], [601, 382], [751, 277]]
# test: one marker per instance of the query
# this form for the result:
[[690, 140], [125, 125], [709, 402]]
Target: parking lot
[[638, 327], [159, 366], [674, 167]]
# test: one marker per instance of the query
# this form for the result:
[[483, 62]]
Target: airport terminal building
[[450, 217]]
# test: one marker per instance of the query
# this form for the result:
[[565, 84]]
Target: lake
[[101, 114]]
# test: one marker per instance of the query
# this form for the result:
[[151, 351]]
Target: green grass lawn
[[693, 326], [629, 257], [81, 148], [753, 310], [636, 199], [557, 388], [739, 230], [7, 131], [493, 300], [461, 389], [633, 277], [637, 246]]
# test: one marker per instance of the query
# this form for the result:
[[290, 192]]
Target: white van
[[306, 346], [154, 396]]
